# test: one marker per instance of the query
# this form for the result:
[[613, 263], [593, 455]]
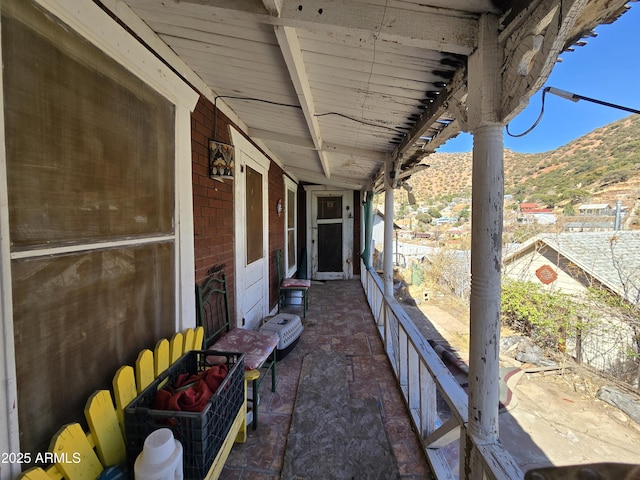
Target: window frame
[[290, 186]]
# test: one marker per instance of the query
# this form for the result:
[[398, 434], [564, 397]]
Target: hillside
[[600, 167]]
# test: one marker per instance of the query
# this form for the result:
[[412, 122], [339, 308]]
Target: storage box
[[288, 327], [200, 433]]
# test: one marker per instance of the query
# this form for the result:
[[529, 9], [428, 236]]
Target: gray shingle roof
[[612, 258]]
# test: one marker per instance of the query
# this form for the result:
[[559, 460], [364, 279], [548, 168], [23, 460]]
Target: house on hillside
[[596, 217], [595, 209], [573, 263], [533, 213]]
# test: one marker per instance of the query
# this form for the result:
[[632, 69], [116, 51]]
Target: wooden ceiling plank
[[276, 136], [290, 47], [448, 31]]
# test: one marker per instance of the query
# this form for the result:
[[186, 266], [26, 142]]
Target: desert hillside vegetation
[[600, 167]]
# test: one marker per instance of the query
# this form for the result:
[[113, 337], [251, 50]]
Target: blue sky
[[607, 68]]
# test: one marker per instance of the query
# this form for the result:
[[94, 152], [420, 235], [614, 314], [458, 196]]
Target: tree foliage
[[545, 316]]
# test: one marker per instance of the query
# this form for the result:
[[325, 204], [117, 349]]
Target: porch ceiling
[[334, 88]]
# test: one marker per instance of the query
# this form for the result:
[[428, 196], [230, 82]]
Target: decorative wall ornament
[[221, 160], [546, 274]]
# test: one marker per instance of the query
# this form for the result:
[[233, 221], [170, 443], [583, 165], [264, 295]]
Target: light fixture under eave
[[413, 170], [410, 196], [574, 97]]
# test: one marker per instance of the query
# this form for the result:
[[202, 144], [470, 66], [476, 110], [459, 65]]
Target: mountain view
[[600, 167]]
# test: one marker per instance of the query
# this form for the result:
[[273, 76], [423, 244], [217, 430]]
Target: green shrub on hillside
[[547, 317]]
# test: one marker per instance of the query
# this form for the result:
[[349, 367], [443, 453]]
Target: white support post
[[486, 249], [486, 245], [387, 274]]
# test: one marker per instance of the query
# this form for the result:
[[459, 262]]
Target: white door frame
[[290, 185], [313, 192], [247, 153]]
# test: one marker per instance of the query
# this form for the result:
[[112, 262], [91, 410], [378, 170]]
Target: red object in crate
[[191, 392], [200, 433]]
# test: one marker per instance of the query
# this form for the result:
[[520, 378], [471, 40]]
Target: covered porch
[[338, 320]]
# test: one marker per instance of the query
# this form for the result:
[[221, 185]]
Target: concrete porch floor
[[338, 320]]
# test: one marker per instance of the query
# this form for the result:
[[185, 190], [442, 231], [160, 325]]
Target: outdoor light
[[574, 97], [410, 196]]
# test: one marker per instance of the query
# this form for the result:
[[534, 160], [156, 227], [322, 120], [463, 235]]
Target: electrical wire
[[574, 97], [270, 102], [254, 99], [535, 124], [364, 122]]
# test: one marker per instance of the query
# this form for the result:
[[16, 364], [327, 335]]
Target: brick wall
[[212, 201], [213, 206]]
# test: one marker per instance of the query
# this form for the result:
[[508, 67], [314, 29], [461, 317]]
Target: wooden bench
[[88, 455]]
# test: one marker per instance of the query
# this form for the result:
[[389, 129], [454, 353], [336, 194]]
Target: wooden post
[[388, 232], [486, 246]]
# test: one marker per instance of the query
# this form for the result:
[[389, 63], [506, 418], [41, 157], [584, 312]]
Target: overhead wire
[[535, 124], [574, 97], [281, 104]]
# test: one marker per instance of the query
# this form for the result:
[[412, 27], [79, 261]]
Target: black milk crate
[[200, 433]]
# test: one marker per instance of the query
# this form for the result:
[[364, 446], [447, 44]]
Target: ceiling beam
[[335, 181], [292, 53], [374, 155], [448, 31], [274, 7]]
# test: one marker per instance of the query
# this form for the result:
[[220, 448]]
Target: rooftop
[[612, 258]]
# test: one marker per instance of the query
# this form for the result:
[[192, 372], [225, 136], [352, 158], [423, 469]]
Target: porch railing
[[436, 401]]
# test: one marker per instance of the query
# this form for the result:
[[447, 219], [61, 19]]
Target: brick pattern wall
[[212, 200], [213, 209]]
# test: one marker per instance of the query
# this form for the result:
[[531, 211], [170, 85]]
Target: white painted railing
[[437, 402]]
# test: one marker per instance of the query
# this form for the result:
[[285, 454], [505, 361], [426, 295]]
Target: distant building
[[534, 213], [526, 208], [596, 217], [444, 220], [595, 209]]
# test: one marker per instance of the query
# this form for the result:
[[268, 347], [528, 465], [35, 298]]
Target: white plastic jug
[[161, 457]]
